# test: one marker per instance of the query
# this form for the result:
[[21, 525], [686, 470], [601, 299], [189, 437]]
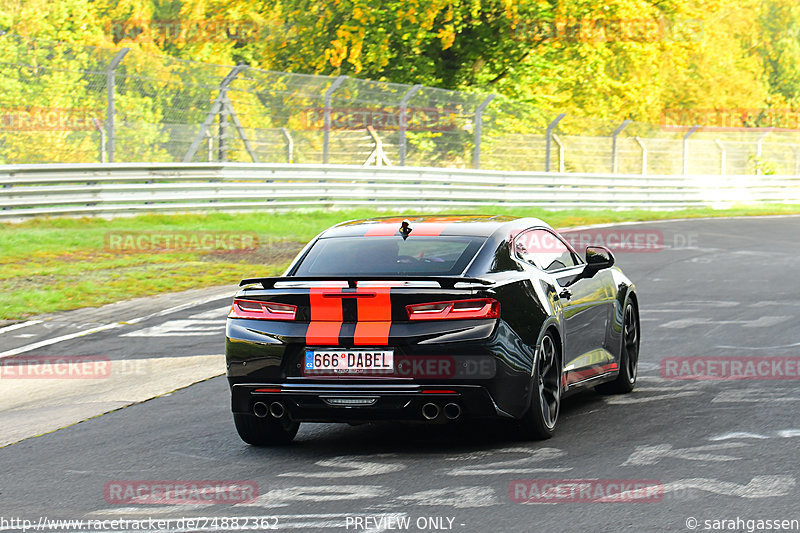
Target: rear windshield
[[344, 256]]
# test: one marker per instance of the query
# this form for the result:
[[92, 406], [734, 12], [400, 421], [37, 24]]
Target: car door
[[586, 303]]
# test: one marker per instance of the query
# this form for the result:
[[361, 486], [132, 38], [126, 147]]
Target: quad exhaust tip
[[452, 411], [430, 411], [260, 409]]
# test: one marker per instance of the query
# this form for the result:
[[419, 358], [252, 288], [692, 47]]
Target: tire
[[265, 431], [539, 422], [629, 355]]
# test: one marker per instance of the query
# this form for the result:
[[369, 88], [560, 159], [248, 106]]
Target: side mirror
[[597, 259]]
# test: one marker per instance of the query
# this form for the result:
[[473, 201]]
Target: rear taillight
[[262, 310], [455, 310]]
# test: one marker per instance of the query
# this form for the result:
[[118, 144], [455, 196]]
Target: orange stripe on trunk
[[326, 318], [374, 317], [428, 229], [382, 230]]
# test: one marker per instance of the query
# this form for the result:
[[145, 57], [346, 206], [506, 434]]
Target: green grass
[[56, 264]]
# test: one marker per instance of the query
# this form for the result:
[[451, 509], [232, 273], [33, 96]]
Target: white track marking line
[[757, 487], [19, 325], [48, 342], [181, 328], [56, 340]]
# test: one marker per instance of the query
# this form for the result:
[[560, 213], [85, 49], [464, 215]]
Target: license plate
[[349, 362]]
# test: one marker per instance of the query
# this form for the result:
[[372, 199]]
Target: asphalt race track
[[713, 449]]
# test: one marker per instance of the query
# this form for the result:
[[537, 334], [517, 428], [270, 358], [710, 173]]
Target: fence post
[[723, 157], [560, 145], [99, 127], [476, 149], [222, 128], [377, 156], [644, 154], [548, 136], [289, 145], [110, 87], [228, 107], [326, 134], [686, 148], [614, 144], [216, 108], [404, 120]]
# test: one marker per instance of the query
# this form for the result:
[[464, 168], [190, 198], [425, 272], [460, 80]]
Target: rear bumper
[[368, 402]]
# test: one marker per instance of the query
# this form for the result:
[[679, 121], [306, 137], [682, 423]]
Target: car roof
[[434, 225]]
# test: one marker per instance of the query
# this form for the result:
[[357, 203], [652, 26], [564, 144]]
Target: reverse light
[[262, 310], [455, 310]]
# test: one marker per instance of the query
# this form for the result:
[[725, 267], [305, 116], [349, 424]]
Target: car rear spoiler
[[445, 282]]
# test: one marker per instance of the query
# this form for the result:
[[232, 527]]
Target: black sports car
[[432, 319]]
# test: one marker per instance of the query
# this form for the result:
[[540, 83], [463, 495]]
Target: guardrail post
[[289, 145], [110, 112], [548, 137], [560, 145], [476, 149], [686, 148], [723, 157], [644, 154], [404, 120], [326, 136], [617, 131]]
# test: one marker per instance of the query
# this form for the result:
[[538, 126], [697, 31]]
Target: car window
[[345, 256], [544, 250]]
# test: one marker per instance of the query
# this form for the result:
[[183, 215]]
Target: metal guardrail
[[96, 189]]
